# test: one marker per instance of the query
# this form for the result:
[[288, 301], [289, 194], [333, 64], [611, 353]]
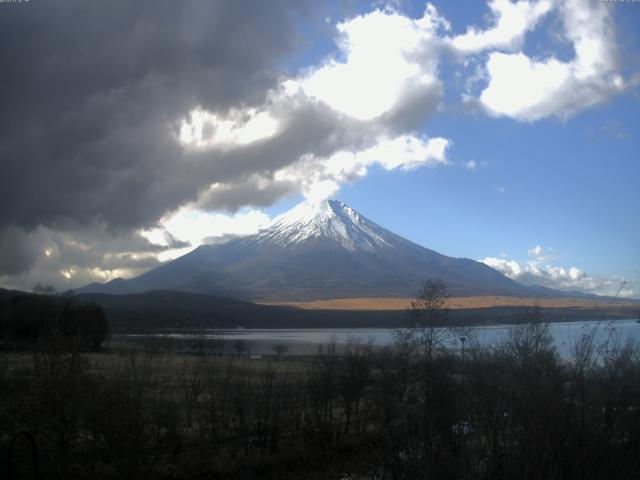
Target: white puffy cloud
[[320, 178], [535, 251], [201, 129], [192, 227], [529, 89], [382, 84], [542, 254], [511, 21], [383, 55], [563, 278], [406, 152], [332, 121]]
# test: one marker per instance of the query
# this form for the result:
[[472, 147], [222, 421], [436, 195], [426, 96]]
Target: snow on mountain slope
[[328, 219]]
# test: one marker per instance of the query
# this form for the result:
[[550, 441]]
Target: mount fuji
[[320, 250]]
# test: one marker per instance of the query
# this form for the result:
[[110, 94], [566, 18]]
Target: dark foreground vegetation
[[29, 320], [411, 411]]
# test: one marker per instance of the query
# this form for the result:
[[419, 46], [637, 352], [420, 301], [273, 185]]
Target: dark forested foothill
[[27, 320]]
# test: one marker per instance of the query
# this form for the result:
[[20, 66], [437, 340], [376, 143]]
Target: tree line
[[28, 320]]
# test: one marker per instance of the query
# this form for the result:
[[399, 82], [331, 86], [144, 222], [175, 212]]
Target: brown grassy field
[[454, 303]]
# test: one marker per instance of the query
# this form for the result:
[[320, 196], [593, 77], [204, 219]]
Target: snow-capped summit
[[328, 219]]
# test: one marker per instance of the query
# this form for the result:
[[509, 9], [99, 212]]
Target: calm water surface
[[299, 341]]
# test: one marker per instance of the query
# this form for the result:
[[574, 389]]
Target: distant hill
[[315, 251], [173, 310]]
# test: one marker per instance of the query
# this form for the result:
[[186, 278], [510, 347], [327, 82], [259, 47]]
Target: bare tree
[[530, 338], [428, 313], [279, 349], [240, 346], [191, 381]]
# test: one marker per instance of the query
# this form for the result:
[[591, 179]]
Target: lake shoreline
[[311, 319], [306, 341]]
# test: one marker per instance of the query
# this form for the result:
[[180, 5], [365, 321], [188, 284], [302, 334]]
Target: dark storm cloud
[[16, 252], [254, 190], [42, 254], [307, 128], [416, 106], [91, 93]]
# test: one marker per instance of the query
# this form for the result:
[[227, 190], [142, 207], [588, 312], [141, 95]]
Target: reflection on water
[[301, 341]]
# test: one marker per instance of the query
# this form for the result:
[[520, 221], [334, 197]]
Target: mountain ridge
[[318, 250]]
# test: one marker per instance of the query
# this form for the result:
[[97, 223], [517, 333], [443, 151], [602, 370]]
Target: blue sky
[[502, 131]]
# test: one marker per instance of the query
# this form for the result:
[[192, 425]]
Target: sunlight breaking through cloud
[[204, 129]]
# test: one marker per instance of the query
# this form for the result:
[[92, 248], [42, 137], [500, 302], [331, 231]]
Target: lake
[[306, 341]]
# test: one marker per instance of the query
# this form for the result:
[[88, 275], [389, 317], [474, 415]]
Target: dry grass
[[110, 363], [454, 303]]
